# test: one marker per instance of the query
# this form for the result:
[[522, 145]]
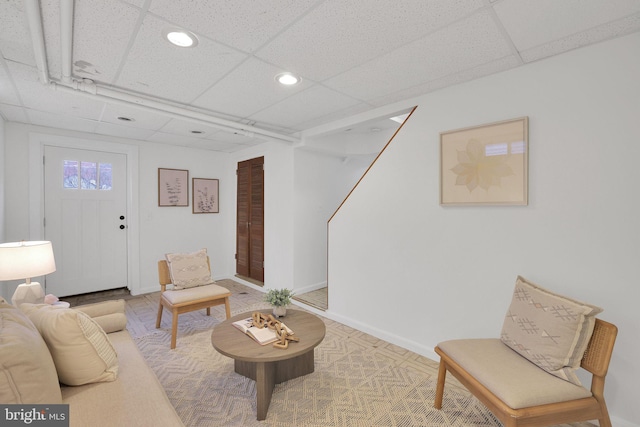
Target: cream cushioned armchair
[[193, 288]]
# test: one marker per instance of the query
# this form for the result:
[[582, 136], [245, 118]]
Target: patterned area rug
[[354, 384]]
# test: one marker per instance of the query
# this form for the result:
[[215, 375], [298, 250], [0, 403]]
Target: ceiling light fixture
[[287, 79], [126, 119], [181, 38], [197, 131]]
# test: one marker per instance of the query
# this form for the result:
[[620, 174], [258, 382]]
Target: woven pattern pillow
[[189, 270], [548, 329], [80, 349], [27, 372]]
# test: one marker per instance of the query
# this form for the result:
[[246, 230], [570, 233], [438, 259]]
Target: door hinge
[[236, 256]]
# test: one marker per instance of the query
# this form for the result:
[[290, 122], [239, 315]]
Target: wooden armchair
[[592, 406], [180, 301]]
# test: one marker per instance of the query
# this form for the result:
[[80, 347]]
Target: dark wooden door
[[250, 219]]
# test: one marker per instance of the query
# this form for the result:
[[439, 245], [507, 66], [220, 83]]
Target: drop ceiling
[[353, 57]]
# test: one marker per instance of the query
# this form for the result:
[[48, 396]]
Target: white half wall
[[413, 272]]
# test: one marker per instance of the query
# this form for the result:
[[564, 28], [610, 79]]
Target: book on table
[[262, 336]]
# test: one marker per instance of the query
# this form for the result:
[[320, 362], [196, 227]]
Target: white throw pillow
[[548, 329], [27, 372], [189, 270], [80, 349]]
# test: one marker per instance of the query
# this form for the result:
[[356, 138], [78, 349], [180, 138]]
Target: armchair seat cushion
[[176, 297], [512, 378]]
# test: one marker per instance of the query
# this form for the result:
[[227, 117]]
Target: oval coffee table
[[267, 365]]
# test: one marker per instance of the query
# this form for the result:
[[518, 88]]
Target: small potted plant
[[279, 299]]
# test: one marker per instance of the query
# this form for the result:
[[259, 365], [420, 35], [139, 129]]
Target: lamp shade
[[24, 260]]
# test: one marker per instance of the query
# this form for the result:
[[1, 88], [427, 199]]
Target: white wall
[[321, 183], [160, 230], [397, 259]]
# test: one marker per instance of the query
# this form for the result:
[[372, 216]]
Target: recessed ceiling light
[[287, 79], [181, 38]]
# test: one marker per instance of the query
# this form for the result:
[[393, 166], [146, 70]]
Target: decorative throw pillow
[[27, 372], [548, 329], [189, 270], [110, 315], [80, 349]]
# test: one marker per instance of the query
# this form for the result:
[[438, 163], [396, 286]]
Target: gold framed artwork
[[485, 165], [173, 187], [205, 195]]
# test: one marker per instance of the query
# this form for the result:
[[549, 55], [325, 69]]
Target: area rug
[[354, 384]]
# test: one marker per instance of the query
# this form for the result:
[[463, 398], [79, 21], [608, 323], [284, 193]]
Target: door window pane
[[105, 176], [89, 174], [70, 171]]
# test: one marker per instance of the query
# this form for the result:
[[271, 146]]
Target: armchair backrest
[[598, 354]]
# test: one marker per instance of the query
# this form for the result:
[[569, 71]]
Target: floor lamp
[[24, 260]]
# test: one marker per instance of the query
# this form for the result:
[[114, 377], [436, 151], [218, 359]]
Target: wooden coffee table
[[267, 365]]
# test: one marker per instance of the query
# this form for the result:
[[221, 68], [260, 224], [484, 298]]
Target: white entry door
[[85, 205]]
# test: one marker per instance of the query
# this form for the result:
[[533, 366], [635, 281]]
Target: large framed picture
[[173, 187], [205, 195], [485, 165]]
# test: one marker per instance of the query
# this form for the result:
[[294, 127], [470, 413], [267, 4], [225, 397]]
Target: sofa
[[83, 357]]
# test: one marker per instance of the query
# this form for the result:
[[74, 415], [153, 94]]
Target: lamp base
[[28, 292]]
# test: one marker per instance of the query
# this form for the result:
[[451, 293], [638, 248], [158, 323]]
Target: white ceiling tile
[[183, 127], [336, 36], [142, 118], [250, 88], [8, 93], [466, 44], [36, 95], [124, 131], [593, 35], [13, 113], [15, 43], [533, 23], [102, 30], [492, 67], [303, 106], [241, 24], [156, 67], [61, 121], [167, 138]]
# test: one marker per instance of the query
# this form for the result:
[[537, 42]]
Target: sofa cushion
[[136, 398], [27, 372], [189, 270], [110, 315], [80, 349], [512, 378], [548, 329]]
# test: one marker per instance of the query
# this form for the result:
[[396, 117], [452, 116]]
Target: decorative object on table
[[266, 329], [279, 299], [173, 187], [205, 195], [24, 260], [485, 165]]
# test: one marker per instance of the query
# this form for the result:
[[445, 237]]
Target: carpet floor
[[358, 381]]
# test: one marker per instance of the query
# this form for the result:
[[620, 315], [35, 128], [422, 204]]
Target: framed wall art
[[485, 165], [173, 187], [205, 195]]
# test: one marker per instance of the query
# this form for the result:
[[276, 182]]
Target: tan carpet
[[359, 380], [351, 386]]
